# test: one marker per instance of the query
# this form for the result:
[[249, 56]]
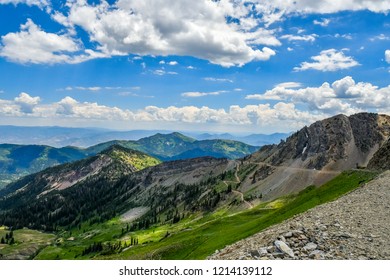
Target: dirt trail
[[250, 205]]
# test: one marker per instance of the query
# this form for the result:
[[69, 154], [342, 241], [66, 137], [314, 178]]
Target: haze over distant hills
[[56, 136]]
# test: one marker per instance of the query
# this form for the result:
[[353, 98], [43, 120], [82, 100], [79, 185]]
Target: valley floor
[[355, 226]]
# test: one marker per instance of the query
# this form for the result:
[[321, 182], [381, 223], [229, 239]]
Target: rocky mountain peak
[[339, 142]]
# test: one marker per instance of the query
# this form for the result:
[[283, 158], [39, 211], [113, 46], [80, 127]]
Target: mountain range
[[58, 137], [20, 160], [156, 189]]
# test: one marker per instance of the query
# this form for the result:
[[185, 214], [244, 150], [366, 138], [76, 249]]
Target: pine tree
[[2, 241]]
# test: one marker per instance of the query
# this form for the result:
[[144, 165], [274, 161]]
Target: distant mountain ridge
[[252, 139], [58, 137], [175, 146], [20, 160]]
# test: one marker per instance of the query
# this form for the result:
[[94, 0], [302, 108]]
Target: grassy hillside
[[26, 243], [197, 236]]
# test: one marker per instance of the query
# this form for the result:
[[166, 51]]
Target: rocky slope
[[316, 154], [381, 159], [337, 143], [356, 226]]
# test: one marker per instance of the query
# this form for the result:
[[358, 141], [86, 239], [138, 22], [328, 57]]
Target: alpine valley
[[169, 196]]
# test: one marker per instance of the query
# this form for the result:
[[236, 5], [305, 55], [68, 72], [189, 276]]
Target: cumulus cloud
[[26, 102], [387, 56], [161, 27], [225, 32], [292, 107], [342, 96], [42, 47], [319, 7], [282, 115], [328, 60]]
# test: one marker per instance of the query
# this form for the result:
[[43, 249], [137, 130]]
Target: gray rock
[[317, 255], [255, 253], [302, 237], [310, 247], [283, 247], [322, 227], [281, 238], [263, 251], [288, 234]]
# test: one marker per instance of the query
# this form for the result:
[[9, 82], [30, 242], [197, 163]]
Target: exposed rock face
[[318, 153], [381, 159], [356, 226], [337, 143]]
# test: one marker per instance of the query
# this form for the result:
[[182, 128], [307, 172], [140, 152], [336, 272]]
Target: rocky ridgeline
[[356, 226]]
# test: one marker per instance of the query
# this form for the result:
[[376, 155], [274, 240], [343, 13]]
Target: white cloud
[[89, 88], [191, 67], [305, 38], [289, 85], [68, 110], [381, 37], [223, 80], [173, 63], [324, 22], [295, 108], [42, 47], [319, 7], [343, 96], [200, 94], [39, 3], [199, 30], [26, 102], [328, 60], [345, 36], [387, 56], [162, 72], [69, 107]]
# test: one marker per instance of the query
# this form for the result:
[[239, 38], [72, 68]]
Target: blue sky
[[219, 66]]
